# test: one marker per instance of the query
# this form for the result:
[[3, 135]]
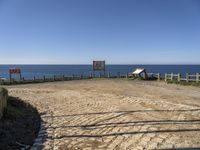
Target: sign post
[[15, 71], [99, 66]]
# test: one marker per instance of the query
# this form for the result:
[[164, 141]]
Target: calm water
[[29, 71]]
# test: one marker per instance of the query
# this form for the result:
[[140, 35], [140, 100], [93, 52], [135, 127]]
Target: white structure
[[140, 72]]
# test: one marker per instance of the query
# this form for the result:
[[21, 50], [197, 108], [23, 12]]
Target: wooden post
[[81, 76], [165, 77], [54, 78], [63, 77], [44, 78], [34, 78], [179, 77], [187, 77], [108, 74], [172, 76], [73, 76], [90, 75], [197, 77], [118, 74], [10, 77], [20, 76], [158, 76], [127, 75]]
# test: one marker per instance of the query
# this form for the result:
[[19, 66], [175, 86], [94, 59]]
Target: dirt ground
[[116, 114]]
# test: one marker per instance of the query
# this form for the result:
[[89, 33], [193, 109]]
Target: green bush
[[184, 83], [3, 91]]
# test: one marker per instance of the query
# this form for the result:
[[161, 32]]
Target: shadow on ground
[[19, 126], [109, 121], [103, 124]]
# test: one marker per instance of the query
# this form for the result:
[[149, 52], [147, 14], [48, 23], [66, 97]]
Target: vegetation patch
[[185, 83], [19, 125], [3, 91]]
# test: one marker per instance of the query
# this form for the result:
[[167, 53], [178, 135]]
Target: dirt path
[[116, 114]]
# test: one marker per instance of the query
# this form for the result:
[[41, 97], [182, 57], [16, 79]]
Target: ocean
[[29, 71]]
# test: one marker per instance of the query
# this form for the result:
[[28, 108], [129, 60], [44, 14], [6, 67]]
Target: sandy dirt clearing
[[116, 114]]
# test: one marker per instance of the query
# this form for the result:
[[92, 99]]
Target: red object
[[15, 71]]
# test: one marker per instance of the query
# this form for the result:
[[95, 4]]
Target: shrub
[[3, 91]]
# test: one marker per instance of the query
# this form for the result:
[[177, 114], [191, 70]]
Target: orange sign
[[15, 71]]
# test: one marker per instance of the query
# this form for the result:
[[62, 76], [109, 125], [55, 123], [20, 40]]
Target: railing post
[[118, 74], [172, 76], [54, 78], [20, 76], [10, 76], [108, 74], [165, 77], [126, 75], [44, 78], [179, 77], [63, 77], [34, 78], [158, 76], [197, 77], [91, 75], [187, 77]]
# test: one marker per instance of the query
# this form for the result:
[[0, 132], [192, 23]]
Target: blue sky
[[118, 31]]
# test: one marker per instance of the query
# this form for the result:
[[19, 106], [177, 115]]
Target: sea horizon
[[39, 70], [114, 64]]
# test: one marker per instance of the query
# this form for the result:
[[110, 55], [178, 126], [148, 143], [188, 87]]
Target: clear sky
[[118, 31]]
